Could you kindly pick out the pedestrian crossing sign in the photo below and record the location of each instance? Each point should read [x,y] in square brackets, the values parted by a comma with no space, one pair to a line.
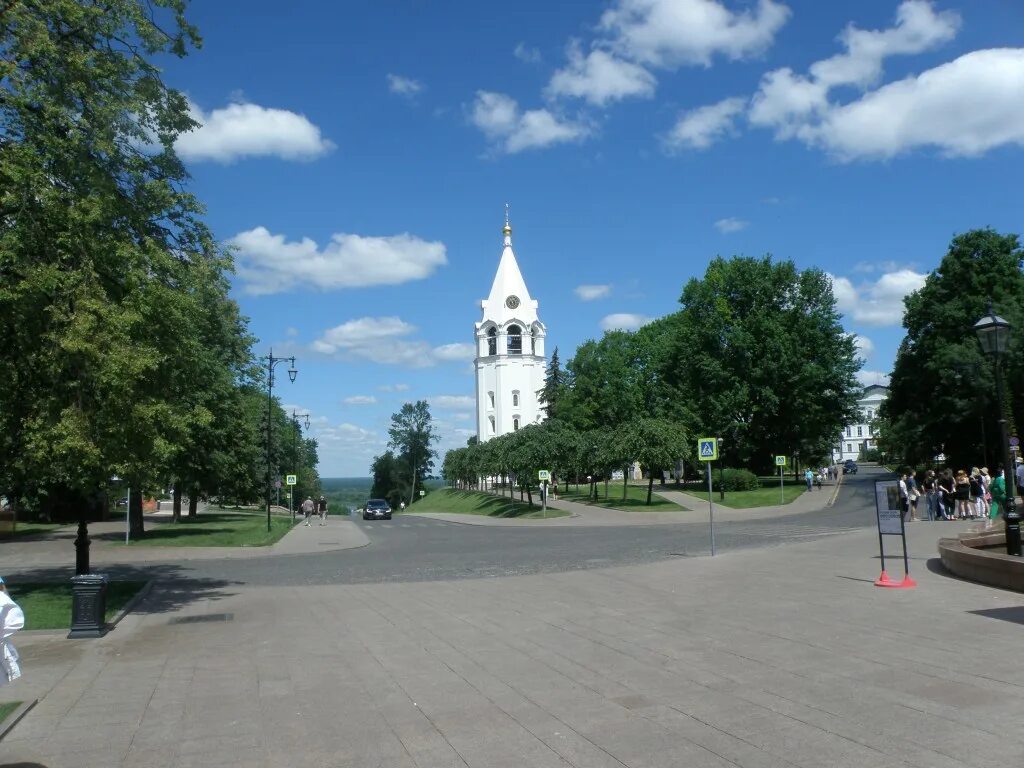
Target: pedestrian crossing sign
[707,449]
[289,479]
[780,461]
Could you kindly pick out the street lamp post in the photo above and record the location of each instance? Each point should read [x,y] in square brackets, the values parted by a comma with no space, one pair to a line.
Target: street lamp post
[994,335]
[295,454]
[272,362]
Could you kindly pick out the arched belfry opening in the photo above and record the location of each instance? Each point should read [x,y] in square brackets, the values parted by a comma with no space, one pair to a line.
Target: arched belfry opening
[515,340]
[492,341]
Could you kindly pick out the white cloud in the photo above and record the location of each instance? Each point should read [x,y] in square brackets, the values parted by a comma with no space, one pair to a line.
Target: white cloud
[249,130]
[865,346]
[668,33]
[291,332]
[514,130]
[592,292]
[360,400]
[403,86]
[457,352]
[600,78]
[526,54]
[700,128]
[377,339]
[624,321]
[879,302]
[452,402]
[965,107]
[385,340]
[393,388]
[867,378]
[730,224]
[349,445]
[267,263]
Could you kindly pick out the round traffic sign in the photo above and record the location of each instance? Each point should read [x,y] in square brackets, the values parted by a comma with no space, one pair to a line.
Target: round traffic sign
[1014,440]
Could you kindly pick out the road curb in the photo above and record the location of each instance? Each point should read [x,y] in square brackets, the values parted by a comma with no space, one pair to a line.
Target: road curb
[15,716]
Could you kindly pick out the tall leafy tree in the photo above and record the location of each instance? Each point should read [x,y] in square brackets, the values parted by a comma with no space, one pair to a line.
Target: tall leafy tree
[941,382]
[656,443]
[412,434]
[112,290]
[759,351]
[604,388]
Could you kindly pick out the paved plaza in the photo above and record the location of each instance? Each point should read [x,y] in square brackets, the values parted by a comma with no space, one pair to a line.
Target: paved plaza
[760,657]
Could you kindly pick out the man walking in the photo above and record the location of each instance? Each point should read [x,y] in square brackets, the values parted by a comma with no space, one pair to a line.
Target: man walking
[321,508]
[307,509]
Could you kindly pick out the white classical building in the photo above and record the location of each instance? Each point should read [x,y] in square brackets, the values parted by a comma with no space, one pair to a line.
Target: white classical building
[510,363]
[862,435]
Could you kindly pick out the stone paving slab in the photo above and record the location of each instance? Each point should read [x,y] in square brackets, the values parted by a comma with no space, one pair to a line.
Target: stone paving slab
[780,657]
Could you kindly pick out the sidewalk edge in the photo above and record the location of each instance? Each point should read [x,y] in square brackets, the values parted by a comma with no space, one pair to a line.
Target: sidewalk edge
[15,717]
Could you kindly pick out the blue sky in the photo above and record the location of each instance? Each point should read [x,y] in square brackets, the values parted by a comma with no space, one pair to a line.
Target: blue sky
[358,156]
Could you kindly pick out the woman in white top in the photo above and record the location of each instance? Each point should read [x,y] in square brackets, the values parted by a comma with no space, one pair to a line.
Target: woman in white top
[12,618]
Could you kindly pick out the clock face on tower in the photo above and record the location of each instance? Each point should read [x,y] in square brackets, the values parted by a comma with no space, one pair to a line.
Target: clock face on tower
[512,302]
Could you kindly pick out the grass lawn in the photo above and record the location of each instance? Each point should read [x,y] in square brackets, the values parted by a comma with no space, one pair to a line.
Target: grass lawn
[30,529]
[476,503]
[636,498]
[766,496]
[217,528]
[47,605]
[7,708]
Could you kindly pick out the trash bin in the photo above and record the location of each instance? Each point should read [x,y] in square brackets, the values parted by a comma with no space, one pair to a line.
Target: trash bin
[88,605]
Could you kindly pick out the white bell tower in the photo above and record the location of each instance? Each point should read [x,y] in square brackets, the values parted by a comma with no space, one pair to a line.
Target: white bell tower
[510,358]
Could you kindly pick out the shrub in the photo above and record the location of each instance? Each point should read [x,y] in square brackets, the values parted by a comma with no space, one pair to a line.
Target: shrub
[735,480]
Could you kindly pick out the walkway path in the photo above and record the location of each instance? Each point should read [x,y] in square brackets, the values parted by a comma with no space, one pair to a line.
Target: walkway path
[775,658]
[57,548]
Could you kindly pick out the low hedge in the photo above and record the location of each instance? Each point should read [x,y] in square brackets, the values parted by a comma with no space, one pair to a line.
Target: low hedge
[735,480]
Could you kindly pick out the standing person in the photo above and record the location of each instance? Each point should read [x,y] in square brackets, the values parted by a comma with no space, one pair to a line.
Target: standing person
[809,477]
[998,491]
[976,493]
[986,494]
[321,508]
[307,509]
[963,494]
[913,494]
[12,618]
[904,495]
[401,507]
[1019,476]
[931,493]
[947,494]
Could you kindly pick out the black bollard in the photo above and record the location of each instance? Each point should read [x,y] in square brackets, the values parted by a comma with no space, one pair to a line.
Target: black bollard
[1013,532]
[82,548]
[88,606]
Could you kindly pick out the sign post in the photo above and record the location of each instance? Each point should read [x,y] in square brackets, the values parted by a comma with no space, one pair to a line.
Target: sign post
[289,480]
[780,462]
[544,476]
[707,451]
[890,523]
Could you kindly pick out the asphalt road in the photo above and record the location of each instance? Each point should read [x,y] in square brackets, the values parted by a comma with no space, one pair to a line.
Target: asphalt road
[419,549]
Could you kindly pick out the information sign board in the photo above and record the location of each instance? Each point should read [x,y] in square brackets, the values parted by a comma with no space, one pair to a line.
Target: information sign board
[780,461]
[707,449]
[887,506]
[544,474]
[289,479]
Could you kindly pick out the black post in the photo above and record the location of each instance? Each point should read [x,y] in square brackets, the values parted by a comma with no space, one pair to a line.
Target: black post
[82,547]
[270,402]
[1012,516]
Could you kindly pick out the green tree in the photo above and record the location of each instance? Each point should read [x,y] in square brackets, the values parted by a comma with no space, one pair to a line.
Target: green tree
[390,478]
[554,386]
[412,434]
[941,382]
[603,384]
[759,351]
[656,443]
[109,279]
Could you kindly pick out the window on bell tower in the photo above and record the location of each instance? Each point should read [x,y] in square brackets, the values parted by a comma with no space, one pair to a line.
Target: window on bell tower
[490,400]
[492,342]
[515,398]
[515,340]
[515,423]
[490,423]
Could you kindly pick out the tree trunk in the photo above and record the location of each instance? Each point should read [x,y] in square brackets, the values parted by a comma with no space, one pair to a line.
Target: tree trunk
[650,487]
[625,482]
[136,527]
[529,497]
[412,492]
[193,503]
[176,504]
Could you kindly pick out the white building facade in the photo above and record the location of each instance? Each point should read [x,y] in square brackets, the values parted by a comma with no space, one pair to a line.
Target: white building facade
[510,361]
[863,435]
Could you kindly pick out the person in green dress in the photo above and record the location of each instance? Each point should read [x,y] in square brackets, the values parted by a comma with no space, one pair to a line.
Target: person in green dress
[998,491]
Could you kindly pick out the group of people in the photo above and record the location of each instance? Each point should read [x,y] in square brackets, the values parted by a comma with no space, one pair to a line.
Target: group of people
[817,477]
[319,507]
[961,495]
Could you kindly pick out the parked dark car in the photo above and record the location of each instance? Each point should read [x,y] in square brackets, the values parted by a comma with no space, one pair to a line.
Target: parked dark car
[850,467]
[122,502]
[377,509]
